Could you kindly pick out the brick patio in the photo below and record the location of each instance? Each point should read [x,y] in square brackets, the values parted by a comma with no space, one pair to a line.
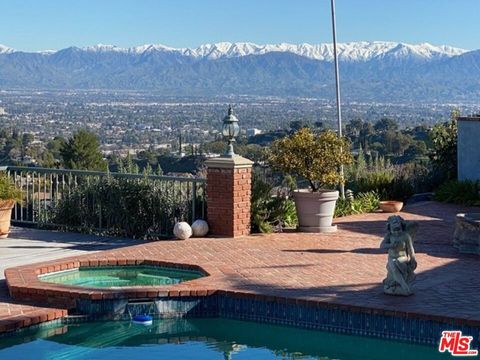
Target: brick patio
[341,269]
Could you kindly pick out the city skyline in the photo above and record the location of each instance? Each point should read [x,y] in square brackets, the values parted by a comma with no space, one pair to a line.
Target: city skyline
[53,24]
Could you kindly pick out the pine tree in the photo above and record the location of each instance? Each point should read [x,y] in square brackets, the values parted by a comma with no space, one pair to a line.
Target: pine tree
[131,166]
[148,170]
[82,151]
[159,170]
[361,163]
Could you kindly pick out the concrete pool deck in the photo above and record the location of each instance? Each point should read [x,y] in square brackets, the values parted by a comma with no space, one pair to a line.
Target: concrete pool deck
[343,269]
[28,245]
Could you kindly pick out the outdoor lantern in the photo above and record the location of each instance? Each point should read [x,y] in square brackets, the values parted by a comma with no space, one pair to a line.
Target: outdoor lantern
[230,130]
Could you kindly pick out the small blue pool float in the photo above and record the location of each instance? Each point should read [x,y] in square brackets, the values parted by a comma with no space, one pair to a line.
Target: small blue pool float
[143,319]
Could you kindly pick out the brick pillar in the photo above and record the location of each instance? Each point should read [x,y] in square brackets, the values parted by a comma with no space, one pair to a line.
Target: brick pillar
[229,186]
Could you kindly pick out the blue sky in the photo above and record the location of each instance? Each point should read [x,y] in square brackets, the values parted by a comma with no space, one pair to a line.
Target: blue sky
[32,25]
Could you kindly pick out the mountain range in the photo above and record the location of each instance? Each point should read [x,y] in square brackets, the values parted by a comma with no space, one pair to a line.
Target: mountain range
[370,71]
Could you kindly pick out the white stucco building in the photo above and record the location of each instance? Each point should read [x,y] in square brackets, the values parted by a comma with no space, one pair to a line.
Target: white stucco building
[468,147]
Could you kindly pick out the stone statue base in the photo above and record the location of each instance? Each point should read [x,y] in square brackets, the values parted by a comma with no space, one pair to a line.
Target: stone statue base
[467,233]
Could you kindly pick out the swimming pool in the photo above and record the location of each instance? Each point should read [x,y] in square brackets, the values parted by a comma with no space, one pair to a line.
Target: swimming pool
[210,338]
[118,276]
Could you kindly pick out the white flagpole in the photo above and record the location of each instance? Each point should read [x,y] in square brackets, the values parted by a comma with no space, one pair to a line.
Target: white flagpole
[337,86]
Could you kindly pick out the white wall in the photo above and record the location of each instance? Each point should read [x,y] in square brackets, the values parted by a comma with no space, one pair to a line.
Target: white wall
[468,148]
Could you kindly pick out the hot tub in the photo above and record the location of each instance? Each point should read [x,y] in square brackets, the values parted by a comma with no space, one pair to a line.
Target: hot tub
[120,276]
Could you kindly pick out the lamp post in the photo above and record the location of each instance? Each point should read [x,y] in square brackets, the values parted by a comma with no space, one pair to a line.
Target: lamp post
[337,88]
[230,130]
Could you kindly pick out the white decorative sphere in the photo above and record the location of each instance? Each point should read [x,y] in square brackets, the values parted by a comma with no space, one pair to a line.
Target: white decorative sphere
[182,230]
[200,228]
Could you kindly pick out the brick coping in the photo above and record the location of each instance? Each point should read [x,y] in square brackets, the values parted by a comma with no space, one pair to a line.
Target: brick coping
[24,283]
[38,316]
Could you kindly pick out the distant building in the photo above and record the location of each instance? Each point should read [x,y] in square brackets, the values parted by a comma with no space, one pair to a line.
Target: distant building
[253,132]
[2,111]
[28,160]
[468,151]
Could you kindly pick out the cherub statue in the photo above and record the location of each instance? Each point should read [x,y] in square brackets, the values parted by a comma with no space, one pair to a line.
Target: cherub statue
[401,256]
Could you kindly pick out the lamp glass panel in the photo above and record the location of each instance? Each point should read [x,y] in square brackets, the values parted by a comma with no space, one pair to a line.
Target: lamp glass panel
[226,130]
[236,129]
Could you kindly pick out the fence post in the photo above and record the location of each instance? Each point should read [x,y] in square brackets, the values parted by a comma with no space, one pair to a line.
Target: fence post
[229,182]
[194,201]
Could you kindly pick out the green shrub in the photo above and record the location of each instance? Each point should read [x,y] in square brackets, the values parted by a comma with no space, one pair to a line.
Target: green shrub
[459,192]
[362,203]
[394,184]
[122,207]
[401,189]
[390,182]
[378,181]
[8,191]
[269,212]
[418,176]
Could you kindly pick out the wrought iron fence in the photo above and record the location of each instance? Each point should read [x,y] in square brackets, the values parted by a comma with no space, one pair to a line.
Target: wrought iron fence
[49,192]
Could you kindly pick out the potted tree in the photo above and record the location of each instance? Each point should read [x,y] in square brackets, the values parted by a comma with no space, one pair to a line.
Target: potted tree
[317,159]
[9,195]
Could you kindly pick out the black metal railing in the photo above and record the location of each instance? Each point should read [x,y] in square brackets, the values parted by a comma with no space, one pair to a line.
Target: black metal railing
[47,192]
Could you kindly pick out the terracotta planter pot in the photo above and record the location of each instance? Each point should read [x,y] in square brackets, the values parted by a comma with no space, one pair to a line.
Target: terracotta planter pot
[391,206]
[6,207]
[315,210]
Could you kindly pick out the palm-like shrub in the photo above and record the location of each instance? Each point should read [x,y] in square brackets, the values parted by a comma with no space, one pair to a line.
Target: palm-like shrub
[362,203]
[8,191]
[268,211]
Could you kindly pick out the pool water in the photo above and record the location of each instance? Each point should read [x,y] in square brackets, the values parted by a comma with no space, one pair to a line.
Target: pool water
[214,338]
[116,276]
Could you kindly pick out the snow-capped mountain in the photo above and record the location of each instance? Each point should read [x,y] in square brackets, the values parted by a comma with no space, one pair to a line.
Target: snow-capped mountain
[370,71]
[5,49]
[353,51]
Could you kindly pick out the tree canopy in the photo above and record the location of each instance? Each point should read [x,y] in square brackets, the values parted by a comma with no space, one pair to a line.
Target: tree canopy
[444,152]
[82,152]
[315,158]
